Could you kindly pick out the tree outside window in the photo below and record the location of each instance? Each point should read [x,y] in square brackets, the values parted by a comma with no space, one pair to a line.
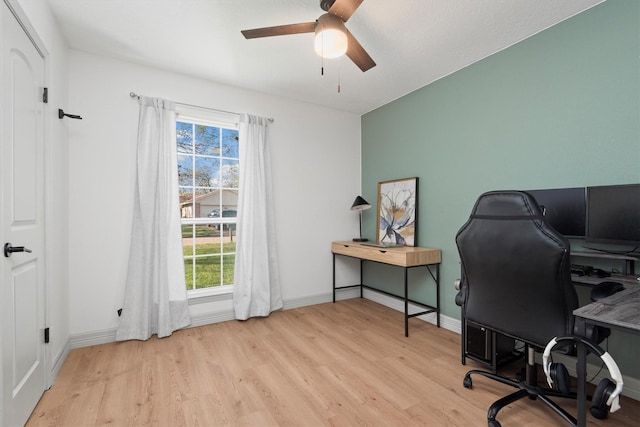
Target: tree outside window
[208,171]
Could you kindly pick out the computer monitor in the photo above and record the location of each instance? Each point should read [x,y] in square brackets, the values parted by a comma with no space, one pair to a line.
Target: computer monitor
[564,209]
[613,214]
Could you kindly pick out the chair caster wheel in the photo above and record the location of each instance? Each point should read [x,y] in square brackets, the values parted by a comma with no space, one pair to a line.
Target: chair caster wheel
[467,381]
[494,423]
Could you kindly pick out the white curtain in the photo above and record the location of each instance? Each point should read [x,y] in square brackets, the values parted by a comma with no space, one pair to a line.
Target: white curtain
[256,290]
[155,300]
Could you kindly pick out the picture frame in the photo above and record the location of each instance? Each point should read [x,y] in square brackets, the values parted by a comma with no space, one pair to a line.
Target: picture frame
[398,212]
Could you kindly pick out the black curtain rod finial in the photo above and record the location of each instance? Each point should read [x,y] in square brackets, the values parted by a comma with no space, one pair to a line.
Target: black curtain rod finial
[62,114]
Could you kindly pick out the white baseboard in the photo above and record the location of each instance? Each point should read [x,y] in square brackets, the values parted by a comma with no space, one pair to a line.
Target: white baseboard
[211,318]
[92,338]
[57,363]
[109,335]
[631,385]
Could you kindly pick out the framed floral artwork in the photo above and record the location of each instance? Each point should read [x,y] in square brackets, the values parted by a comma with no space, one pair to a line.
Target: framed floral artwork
[398,211]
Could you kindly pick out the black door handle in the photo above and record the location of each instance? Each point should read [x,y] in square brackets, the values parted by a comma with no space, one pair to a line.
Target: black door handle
[8,249]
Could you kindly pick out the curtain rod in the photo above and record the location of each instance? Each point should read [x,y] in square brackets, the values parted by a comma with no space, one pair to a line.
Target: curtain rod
[135,95]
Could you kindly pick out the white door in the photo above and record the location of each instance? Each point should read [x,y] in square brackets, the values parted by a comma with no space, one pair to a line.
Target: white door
[22,293]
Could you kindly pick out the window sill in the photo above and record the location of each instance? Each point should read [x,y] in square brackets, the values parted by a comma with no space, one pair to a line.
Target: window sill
[202,296]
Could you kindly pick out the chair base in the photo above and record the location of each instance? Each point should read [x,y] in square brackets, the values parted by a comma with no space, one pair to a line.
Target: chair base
[527,388]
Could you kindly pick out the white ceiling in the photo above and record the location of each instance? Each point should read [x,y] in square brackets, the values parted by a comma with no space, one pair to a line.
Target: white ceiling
[413,42]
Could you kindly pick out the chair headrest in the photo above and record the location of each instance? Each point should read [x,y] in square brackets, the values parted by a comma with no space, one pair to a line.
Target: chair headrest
[505,204]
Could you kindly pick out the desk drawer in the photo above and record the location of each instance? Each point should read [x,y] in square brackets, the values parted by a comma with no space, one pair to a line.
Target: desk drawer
[403,256]
[385,255]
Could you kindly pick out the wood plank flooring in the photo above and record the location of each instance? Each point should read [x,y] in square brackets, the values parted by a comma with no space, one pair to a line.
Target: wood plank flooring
[341,364]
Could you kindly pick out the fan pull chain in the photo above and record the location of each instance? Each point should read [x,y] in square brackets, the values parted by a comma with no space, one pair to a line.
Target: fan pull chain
[339,73]
[322,53]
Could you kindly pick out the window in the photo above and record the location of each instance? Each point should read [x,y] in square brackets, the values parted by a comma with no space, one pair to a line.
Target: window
[208,173]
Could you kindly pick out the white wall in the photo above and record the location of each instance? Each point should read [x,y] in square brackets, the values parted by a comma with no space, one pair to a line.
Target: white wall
[316,163]
[44,29]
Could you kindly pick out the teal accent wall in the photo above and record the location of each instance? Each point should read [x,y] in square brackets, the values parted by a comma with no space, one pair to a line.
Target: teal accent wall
[559,109]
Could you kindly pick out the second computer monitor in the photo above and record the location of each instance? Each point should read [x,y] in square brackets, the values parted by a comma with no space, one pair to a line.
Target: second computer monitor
[564,209]
[613,214]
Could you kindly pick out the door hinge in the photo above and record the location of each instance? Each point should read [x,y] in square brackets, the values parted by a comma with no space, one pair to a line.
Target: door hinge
[46,335]
[45,95]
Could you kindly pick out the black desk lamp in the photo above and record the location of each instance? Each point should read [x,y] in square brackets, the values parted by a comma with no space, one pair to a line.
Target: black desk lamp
[360,204]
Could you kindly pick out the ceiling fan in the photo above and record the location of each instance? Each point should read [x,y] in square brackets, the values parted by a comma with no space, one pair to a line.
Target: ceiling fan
[332,38]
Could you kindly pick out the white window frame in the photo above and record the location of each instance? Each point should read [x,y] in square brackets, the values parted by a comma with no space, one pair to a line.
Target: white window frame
[207,117]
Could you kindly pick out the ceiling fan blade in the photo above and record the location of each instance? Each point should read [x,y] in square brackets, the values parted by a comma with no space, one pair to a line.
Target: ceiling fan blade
[344,8]
[280,30]
[357,54]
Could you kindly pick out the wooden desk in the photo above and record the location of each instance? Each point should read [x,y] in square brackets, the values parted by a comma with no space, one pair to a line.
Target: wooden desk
[405,257]
[618,311]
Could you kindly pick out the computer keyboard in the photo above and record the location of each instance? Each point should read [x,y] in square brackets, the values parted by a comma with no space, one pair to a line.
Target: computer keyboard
[587,270]
[580,270]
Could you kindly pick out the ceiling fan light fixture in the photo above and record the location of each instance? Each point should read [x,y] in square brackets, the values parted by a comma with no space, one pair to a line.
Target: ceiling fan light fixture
[331,37]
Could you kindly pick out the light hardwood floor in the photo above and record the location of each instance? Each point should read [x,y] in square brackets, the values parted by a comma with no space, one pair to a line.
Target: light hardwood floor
[341,364]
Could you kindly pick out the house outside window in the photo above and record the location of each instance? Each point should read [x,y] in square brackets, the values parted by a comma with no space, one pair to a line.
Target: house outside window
[208,173]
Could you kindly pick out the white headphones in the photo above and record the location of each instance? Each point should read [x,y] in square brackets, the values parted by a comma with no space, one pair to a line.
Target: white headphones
[607,394]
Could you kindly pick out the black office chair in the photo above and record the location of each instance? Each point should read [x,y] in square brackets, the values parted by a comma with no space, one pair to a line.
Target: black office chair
[516,281]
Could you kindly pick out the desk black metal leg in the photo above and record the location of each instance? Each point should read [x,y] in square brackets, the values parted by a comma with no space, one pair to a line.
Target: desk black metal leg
[406,303]
[436,280]
[438,295]
[361,282]
[581,372]
[334,277]
[463,340]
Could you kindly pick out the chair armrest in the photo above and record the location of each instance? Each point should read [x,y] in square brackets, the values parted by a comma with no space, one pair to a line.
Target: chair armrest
[461,296]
